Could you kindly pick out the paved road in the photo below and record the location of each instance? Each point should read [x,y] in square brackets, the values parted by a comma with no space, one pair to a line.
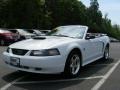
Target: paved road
[103,75]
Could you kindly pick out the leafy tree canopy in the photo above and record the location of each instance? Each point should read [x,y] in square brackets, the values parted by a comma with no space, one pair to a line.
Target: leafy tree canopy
[47,14]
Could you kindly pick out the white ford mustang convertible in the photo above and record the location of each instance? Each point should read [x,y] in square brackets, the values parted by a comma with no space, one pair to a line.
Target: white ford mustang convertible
[64,49]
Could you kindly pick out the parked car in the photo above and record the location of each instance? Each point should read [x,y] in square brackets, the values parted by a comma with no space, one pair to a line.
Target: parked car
[35,31]
[7,37]
[45,31]
[22,33]
[65,49]
[39,33]
[114,39]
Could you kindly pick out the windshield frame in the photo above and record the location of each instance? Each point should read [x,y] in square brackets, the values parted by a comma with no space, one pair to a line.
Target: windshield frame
[62,31]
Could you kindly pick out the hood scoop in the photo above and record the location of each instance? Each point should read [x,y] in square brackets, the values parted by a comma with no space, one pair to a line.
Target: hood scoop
[39,38]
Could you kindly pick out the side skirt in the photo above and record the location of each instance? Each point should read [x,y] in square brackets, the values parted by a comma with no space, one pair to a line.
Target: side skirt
[83,64]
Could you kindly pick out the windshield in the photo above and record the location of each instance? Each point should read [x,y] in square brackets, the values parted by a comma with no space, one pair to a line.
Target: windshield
[75,32]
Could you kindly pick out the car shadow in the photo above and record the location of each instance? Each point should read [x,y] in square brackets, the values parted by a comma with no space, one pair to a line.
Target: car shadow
[98,68]
[12,76]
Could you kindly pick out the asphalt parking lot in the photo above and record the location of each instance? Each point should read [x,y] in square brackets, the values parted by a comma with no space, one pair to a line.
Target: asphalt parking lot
[102,75]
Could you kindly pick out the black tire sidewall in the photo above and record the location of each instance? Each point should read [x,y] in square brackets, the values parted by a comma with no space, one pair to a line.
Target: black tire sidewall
[67,70]
[104,57]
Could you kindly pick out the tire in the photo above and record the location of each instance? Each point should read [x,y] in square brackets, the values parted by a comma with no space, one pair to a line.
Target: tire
[106,54]
[2,42]
[73,65]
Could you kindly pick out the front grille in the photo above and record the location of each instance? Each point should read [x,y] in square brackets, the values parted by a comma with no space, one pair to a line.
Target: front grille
[19,51]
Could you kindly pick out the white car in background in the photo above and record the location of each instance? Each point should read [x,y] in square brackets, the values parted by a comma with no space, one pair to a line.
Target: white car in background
[35,31]
[65,49]
[45,31]
[22,33]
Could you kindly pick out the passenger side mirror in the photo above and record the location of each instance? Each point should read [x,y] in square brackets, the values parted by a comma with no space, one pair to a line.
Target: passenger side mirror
[89,37]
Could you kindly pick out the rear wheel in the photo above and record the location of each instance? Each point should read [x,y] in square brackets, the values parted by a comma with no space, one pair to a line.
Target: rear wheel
[73,64]
[106,53]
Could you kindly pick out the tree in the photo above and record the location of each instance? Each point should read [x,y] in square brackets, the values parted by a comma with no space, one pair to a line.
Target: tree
[1,7]
[22,13]
[94,5]
[65,12]
[47,14]
[94,15]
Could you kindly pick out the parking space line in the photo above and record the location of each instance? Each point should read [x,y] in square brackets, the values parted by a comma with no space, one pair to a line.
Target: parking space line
[53,81]
[106,76]
[102,64]
[11,83]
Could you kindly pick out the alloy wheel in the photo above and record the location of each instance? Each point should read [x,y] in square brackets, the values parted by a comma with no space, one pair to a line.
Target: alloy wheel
[75,64]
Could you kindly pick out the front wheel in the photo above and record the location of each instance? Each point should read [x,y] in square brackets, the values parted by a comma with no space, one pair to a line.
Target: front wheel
[73,64]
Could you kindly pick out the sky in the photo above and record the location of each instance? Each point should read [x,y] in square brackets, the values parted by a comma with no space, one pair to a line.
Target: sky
[110,7]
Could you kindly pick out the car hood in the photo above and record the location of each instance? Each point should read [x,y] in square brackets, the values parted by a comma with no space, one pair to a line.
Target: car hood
[45,42]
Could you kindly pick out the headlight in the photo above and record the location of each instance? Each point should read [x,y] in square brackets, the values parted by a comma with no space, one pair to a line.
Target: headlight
[47,52]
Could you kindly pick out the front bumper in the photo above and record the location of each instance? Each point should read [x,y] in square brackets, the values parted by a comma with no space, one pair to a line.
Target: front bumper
[48,65]
[10,40]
